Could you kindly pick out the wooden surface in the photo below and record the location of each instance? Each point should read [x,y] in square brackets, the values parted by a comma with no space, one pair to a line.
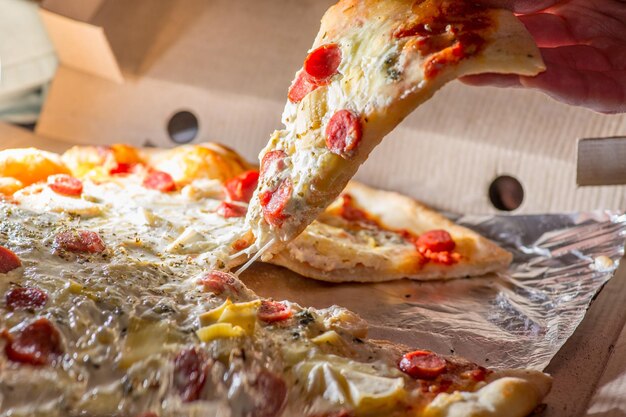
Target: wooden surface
[609,400]
[593,355]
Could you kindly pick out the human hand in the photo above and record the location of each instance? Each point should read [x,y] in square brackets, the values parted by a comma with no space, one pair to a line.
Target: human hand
[583,43]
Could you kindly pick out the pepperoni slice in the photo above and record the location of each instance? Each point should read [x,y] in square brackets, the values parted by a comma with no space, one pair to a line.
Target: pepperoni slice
[38,343]
[227,209]
[273,160]
[79,241]
[8,260]
[352,213]
[190,371]
[25,298]
[65,184]
[319,67]
[272,311]
[272,392]
[242,186]
[422,364]
[160,181]
[122,168]
[343,133]
[274,202]
[322,63]
[219,282]
[300,87]
[435,241]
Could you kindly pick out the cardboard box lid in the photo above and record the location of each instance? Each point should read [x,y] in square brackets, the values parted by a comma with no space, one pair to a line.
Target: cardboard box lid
[230,63]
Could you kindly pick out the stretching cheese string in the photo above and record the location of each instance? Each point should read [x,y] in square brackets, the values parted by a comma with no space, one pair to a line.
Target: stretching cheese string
[255,257]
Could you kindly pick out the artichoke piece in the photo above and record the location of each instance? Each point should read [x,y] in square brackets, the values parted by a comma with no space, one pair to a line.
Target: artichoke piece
[219,331]
[242,315]
[146,338]
[330,337]
[341,381]
[212,316]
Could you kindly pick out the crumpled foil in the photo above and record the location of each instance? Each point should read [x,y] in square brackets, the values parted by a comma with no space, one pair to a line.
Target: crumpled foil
[516,319]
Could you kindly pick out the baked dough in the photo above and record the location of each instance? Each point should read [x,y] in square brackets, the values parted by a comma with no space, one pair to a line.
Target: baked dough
[333,249]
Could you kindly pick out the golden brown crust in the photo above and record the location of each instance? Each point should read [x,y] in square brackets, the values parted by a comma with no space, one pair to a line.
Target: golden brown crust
[509,394]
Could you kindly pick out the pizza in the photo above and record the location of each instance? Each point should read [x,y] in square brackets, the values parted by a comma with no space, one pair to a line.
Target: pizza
[369,235]
[372,63]
[366,235]
[115,300]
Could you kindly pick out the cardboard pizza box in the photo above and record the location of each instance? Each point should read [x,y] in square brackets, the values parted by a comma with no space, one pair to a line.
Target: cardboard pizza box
[162,72]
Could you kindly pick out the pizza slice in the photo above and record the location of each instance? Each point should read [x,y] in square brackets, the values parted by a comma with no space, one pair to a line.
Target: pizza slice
[369,235]
[372,63]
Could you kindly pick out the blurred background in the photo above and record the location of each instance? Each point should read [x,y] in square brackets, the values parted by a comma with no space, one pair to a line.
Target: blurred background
[27,62]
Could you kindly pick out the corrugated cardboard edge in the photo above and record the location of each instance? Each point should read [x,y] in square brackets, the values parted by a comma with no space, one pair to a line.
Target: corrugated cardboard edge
[82,46]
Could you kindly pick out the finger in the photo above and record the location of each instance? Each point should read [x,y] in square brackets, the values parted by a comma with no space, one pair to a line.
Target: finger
[494,80]
[613,49]
[603,92]
[521,6]
[578,57]
[548,30]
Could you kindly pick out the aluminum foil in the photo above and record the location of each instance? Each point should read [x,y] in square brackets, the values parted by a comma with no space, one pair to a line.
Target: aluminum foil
[519,318]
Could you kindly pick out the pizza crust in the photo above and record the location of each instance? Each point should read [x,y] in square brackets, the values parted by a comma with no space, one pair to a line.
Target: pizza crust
[324,252]
[506,393]
[510,393]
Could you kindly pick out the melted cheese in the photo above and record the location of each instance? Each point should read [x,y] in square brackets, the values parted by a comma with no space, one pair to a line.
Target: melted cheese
[125,313]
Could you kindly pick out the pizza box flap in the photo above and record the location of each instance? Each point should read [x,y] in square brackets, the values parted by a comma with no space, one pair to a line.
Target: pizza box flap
[220,70]
[16,137]
[81,10]
[81,45]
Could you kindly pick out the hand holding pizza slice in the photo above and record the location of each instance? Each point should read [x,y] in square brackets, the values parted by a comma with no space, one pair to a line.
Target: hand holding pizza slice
[372,63]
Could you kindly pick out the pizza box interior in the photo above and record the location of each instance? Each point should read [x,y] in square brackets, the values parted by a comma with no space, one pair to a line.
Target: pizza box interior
[163,72]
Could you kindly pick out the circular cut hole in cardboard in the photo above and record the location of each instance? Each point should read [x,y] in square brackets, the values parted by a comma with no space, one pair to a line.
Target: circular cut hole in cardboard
[506,193]
[182,127]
